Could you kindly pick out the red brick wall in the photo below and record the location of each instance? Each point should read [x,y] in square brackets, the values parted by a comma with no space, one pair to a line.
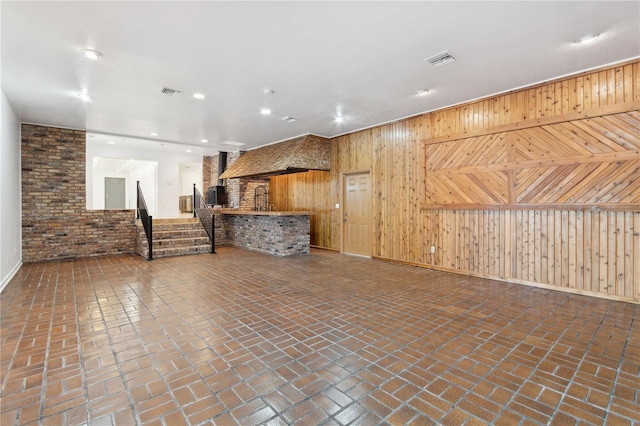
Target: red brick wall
[55,222]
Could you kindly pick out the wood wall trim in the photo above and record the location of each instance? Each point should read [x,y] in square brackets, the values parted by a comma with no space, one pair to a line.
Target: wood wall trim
[623,207]
[536,122]
[606,157]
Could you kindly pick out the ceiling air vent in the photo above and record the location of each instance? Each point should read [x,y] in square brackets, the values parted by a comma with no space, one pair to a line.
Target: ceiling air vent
[441,59]
[288,119]
[170,92]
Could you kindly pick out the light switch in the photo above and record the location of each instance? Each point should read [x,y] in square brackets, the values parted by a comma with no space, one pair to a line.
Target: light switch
[337,205]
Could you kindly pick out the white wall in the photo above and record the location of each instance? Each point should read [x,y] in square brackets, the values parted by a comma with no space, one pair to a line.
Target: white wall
[168,188]
[190,173]
[145,172]
[10,194]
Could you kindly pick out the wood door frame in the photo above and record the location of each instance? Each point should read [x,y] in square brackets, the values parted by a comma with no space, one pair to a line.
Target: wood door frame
[343,175]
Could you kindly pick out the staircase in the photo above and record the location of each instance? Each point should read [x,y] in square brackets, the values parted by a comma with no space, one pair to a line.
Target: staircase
[174,237]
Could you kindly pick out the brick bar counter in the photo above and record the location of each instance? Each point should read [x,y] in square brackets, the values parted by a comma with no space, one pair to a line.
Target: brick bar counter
[276,233]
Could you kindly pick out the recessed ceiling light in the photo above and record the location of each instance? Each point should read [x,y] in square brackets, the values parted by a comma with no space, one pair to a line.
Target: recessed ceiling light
[91,54]
[112,143]
[198,95]
[154,133]
[204,140]
[587,38]
[85,97]
[265,111]
[288,119]
[188,150]
[339,119]
[421,92]
[268,92]
[232,143]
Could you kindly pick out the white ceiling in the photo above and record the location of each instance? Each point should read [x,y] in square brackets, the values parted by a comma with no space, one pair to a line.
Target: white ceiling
[364,60]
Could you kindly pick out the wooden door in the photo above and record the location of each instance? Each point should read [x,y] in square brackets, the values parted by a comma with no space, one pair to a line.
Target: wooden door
[356,230]
[114,193]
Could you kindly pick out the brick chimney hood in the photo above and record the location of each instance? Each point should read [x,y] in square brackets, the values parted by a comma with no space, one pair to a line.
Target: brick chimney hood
[301,154]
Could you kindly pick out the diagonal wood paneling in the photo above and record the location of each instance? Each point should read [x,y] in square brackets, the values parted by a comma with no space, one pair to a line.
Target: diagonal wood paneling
[465,152]
[485,188]
[593,161]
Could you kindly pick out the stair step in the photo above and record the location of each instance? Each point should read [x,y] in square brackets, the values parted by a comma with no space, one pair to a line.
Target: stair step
[177,220]
[175,237]
[181,242]
[181,233]
[177,251]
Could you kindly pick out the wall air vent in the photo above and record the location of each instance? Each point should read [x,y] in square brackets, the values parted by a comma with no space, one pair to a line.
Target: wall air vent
[441,59]
[170,92]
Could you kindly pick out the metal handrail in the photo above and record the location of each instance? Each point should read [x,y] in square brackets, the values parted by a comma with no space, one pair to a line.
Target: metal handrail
[147,220]
[207,219]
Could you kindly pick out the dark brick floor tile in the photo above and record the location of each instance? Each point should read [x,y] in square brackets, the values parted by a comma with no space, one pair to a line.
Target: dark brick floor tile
[402,415]
[349,413]
[299,410]
[175,418]
[258,417]
[208,412]
[248,408]
[324,339]
[454,417]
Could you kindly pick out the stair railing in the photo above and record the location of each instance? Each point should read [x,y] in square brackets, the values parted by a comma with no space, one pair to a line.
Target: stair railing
[147,221]
[201,210]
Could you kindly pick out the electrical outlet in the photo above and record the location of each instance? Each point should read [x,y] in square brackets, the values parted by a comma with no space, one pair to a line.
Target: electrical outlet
[433,249]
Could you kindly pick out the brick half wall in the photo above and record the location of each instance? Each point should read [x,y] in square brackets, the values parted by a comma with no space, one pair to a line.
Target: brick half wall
[276,235]
[55,221]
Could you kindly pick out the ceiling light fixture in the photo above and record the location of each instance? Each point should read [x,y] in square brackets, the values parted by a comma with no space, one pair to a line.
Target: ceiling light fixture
[265,111]
[188,150]
[198,95]
[154,133]
[587,38]
[85,97]
[232,143]
[112,143]
[421,92]
[204,140]
[339,119]
[268,92]
[91,54]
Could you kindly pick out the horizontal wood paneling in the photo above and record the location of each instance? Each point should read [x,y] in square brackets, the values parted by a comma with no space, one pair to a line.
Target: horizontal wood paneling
[578,250]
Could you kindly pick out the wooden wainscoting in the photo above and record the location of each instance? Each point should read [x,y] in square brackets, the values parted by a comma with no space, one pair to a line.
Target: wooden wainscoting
[591,252]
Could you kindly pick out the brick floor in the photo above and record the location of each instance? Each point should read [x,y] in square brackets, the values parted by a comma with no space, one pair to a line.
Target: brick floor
[245,338]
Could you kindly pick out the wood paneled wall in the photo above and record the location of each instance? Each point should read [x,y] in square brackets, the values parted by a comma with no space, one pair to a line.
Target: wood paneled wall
[581,248]
[576,164]
[595,252]
[306,191]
